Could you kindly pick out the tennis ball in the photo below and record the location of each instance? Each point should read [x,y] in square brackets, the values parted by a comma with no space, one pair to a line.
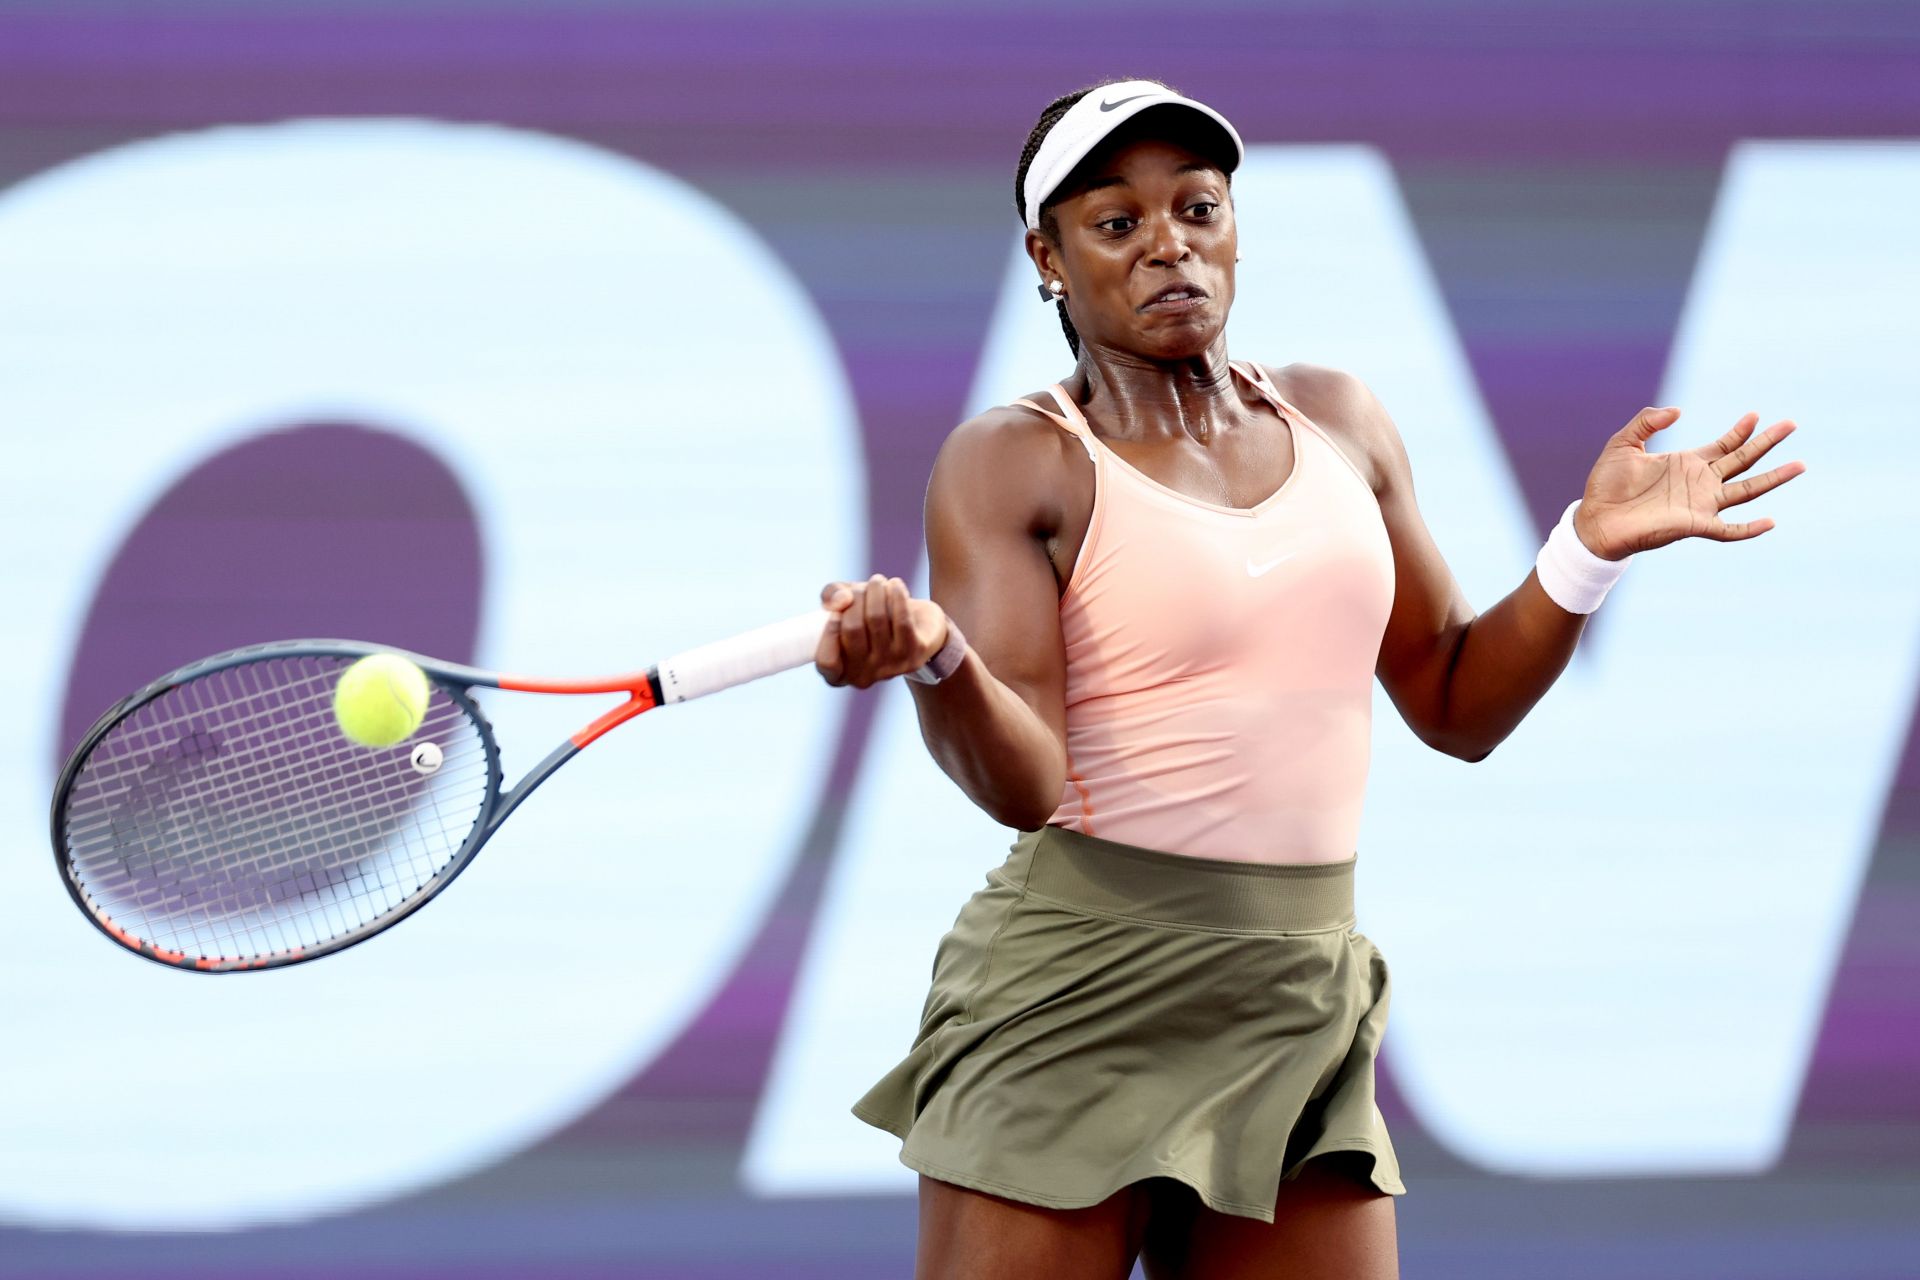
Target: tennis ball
[380,700]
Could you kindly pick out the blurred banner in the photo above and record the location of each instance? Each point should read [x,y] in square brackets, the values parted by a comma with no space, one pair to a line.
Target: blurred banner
[553,338]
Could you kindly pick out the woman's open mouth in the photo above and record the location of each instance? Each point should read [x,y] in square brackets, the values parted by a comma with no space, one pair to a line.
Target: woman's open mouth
[1178,297]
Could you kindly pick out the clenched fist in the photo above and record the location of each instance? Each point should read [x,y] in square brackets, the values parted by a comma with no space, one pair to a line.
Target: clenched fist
[876,631]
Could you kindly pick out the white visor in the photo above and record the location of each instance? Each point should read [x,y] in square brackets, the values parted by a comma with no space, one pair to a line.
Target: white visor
[1090,120]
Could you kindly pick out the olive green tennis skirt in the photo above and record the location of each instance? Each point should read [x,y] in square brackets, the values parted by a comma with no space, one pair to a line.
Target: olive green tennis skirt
[1102,1013]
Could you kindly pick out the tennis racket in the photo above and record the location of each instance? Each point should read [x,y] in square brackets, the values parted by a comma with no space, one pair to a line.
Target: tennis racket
[219,821]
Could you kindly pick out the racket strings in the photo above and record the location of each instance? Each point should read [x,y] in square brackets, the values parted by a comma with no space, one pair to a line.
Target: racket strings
[231,819]
[142,826]
[344,883]
[336,903]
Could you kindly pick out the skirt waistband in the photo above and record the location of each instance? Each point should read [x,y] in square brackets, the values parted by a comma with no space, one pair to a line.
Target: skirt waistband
[1125,880]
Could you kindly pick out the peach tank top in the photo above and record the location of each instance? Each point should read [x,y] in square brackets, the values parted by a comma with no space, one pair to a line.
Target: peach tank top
[1220,660]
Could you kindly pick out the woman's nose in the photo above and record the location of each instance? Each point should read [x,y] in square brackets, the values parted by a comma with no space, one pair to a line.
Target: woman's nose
[1168,242]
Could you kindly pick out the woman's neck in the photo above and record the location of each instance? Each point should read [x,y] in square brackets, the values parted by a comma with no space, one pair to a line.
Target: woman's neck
[1140,399]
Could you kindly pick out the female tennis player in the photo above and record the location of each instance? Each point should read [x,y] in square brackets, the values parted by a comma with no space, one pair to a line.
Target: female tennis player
[1161,590]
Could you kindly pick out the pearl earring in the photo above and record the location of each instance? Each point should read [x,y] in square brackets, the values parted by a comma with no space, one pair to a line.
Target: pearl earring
[1051,291]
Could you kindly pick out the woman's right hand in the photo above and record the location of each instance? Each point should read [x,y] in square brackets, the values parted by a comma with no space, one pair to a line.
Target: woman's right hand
[876,631]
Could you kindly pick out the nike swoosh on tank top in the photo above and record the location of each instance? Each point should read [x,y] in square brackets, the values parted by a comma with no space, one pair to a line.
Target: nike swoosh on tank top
[1220,660]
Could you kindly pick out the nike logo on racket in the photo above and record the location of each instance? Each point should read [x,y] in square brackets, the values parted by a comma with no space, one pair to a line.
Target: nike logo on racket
[1109,106]
[1255,570]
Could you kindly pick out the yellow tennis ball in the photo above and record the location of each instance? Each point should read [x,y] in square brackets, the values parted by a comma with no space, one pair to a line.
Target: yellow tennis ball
[380,700]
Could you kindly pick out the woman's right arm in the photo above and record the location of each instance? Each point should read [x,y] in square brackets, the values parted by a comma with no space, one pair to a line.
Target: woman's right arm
[997,725]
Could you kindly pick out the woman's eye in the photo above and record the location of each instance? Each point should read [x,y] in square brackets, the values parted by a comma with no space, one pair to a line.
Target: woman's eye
[1203,209]
[1116,225]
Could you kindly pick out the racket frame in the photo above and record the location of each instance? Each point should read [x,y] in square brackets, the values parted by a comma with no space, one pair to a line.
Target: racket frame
[643,694]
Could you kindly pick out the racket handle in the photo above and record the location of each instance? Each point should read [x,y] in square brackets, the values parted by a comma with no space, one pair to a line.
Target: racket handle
[747,656]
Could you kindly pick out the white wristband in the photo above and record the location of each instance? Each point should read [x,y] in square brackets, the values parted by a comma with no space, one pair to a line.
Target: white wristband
[1576,579]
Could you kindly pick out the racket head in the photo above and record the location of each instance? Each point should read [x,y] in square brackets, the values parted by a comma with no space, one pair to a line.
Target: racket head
[218,820]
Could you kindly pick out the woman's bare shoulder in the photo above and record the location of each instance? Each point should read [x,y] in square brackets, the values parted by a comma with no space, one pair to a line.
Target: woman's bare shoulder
[1309,384]
[1012,445]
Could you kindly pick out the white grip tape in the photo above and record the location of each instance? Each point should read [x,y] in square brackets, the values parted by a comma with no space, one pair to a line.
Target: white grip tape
[747,656]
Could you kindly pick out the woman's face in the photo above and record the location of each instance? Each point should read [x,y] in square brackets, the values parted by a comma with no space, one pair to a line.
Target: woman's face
[1153,220]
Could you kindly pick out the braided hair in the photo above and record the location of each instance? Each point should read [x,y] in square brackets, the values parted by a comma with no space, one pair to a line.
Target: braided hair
[1048,226]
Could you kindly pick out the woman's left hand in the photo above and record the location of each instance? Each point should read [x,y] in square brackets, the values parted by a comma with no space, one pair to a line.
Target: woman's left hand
[1636,501]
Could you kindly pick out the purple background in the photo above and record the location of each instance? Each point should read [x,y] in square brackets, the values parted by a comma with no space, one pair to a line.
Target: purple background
[1559,161]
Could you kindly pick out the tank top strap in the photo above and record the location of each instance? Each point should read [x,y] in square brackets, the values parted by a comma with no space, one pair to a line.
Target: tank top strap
[1258,377]
[1069,419]
[1081,427]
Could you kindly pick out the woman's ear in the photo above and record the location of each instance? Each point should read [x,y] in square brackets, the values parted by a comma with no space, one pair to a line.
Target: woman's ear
[1046,257]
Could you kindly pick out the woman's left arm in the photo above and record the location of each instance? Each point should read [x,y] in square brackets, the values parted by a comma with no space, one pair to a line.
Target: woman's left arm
[1462,681]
